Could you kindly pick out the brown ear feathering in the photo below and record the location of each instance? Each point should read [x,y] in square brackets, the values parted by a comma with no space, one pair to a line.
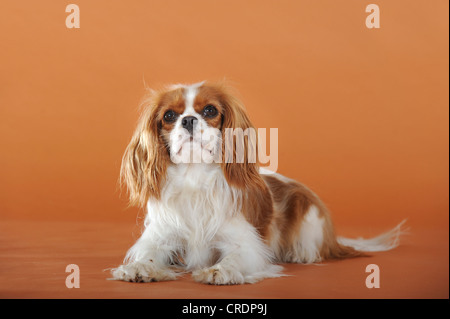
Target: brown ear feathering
[144,163]
[244,175]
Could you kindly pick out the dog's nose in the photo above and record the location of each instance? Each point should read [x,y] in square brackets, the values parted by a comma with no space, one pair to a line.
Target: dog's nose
[188,122]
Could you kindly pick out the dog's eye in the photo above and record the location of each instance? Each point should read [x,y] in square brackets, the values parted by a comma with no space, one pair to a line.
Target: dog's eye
[170,116]
[209,111]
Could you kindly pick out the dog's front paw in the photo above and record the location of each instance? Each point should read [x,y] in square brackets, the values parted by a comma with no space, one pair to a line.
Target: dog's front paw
[141,272]
[218,275]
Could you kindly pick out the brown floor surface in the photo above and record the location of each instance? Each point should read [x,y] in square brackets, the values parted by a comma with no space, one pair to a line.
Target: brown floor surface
[34,255]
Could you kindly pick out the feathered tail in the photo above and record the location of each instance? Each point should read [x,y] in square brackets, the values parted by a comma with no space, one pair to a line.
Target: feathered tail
[383,242]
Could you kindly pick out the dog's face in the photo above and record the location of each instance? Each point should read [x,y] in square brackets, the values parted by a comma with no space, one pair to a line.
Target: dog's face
[190,120]
[186,124]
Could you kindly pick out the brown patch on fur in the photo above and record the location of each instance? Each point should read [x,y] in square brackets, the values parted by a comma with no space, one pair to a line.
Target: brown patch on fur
[171,100]
[257,207]
[145,161]
[241,175]
[292,201]
[331,249]
[208,95]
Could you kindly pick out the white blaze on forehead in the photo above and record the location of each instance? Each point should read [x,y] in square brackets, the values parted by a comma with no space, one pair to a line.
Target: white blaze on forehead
[189,97]
[190,92]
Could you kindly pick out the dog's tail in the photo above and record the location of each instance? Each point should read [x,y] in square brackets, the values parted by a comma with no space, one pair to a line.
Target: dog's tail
[383,242]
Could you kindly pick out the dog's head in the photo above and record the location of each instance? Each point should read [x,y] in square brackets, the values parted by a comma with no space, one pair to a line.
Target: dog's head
[191,124]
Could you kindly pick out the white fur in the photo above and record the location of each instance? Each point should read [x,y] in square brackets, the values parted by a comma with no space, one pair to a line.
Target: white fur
[310,239]
[383,242]
[199,219]
[265,171]
[189,96]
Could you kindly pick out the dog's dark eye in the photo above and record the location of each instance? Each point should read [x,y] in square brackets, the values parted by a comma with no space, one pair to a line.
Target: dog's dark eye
[209,111]
[170,116]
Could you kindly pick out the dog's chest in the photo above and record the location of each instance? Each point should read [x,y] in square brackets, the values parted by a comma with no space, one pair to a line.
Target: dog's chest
[197,198]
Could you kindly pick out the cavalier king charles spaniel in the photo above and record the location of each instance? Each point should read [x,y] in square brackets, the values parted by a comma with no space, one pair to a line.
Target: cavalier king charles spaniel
[225,221]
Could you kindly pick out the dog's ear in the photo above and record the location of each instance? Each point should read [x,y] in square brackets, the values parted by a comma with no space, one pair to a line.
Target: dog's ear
[145,161]
[239,161]
[240,141]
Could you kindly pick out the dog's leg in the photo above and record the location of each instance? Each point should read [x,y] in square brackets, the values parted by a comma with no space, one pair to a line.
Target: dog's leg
[147,260]
[244,257]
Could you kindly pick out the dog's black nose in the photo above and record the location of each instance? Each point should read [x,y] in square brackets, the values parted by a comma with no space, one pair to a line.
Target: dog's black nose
[188,122]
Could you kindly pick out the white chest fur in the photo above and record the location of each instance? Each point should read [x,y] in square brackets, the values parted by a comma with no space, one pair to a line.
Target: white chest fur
[195,207]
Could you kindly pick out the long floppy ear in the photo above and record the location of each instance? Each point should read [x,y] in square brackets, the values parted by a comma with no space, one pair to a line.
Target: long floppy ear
[243,171]
[144,163]
[239,147]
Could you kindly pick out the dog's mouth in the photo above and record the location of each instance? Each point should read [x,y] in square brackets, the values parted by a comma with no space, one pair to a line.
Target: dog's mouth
[196,145]
[190,143]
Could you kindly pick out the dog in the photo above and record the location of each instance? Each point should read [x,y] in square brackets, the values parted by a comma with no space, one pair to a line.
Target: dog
[224,221]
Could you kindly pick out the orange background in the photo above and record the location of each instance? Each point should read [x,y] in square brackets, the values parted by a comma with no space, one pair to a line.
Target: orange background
[362,114]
